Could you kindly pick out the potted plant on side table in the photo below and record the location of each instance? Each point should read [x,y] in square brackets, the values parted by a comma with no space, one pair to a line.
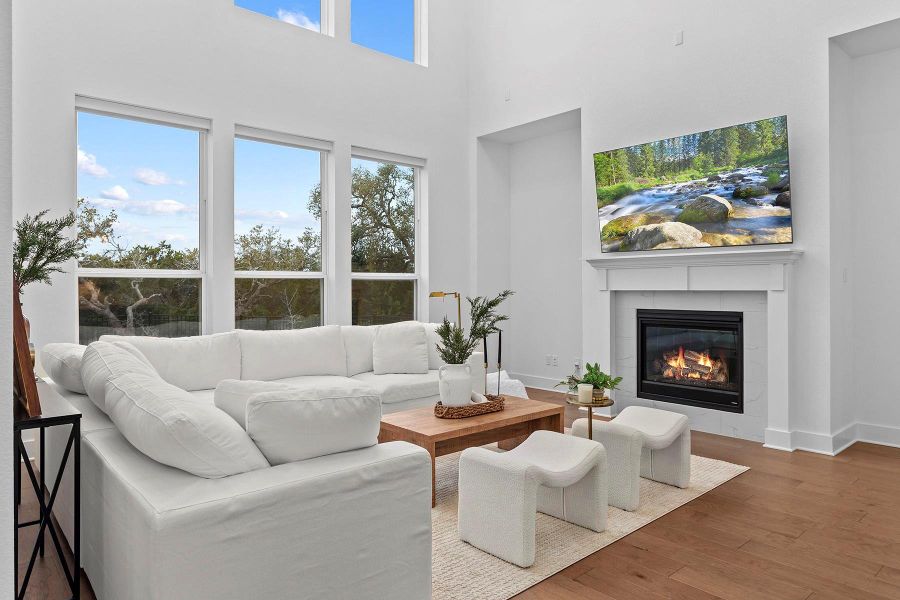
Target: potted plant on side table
[456,347]
[594,380]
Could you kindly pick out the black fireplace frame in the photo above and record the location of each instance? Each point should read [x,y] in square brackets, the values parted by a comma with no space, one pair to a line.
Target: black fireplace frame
[724,400]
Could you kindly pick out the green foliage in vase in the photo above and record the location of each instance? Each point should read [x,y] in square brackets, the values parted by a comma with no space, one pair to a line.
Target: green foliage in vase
[41,246]
[594,376]
[456,347]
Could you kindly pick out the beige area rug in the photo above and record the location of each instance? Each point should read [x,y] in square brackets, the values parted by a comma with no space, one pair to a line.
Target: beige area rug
[462,572]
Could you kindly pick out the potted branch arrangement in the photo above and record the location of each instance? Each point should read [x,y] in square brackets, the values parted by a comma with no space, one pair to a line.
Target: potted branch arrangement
[456,347]
[594,381]
[41,246]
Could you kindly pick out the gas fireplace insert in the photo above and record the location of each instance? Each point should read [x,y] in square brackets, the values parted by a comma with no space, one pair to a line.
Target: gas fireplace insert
[691,357]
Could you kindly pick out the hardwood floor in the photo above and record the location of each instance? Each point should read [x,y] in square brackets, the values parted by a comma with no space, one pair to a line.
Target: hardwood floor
[797,526]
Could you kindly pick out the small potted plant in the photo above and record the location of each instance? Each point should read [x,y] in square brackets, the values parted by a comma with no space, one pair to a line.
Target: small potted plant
[594,377]
[456,347]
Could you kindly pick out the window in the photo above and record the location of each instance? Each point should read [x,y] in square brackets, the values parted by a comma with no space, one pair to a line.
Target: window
[388,26]
[383,223]
[278,235]
[139,197]
[302,13]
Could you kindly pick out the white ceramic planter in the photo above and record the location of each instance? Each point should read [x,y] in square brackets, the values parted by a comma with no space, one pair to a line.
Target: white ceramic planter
[455,385]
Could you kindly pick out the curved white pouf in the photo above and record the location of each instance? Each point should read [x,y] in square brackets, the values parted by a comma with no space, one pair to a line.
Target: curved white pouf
[500,492]
[642,442]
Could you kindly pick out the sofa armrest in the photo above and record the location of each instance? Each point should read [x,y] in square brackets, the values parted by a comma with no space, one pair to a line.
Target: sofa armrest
[287,531]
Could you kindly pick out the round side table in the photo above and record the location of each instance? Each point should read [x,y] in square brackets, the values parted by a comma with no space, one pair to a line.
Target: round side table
[603,403]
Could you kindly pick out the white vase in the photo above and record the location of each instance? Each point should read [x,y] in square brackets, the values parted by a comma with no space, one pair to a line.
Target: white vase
[455,385]
[476,361]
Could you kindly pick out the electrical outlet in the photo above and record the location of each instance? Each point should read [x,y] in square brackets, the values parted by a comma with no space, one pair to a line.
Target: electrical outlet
[548,360]
[678,38]
[555,360]
[577,365]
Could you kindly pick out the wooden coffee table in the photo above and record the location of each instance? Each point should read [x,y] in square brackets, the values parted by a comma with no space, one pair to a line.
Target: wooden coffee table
[509,427]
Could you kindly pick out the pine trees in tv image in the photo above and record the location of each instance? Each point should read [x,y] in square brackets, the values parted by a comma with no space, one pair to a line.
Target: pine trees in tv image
[723,187]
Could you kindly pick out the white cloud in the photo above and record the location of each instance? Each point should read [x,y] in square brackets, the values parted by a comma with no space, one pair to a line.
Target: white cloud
[87,163]
[153,177]
[262,215]
[116,192]
[296,17]
[144,207]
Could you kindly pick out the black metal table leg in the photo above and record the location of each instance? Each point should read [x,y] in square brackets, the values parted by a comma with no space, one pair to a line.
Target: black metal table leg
[43,488]
[76,551]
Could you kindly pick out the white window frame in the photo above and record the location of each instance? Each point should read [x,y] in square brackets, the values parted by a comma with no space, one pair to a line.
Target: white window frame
[419,276]
[420,32]
[120,110]
[325,150]
[326,17]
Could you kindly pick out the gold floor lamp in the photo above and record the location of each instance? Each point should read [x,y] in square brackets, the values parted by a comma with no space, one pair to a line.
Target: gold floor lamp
[458,303]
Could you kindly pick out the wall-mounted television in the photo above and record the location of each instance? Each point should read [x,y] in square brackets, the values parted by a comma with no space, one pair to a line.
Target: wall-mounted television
[723,187]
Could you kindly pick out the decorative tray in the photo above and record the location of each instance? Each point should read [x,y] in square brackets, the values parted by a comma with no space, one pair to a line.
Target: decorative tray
[494,404]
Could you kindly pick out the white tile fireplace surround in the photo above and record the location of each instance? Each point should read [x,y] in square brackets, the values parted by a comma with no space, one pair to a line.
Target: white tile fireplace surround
[755,282]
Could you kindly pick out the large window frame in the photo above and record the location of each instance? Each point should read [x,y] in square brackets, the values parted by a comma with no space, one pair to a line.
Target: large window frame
[325,150]
[203,126]
[419,276]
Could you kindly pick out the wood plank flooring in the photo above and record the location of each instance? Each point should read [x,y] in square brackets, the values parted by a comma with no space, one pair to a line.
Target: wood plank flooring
[797,526]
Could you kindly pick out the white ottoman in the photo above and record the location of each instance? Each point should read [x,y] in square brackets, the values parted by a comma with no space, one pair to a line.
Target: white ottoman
[642,442]
[500,492]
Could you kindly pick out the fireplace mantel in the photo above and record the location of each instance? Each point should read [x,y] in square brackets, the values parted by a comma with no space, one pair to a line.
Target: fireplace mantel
[701,257]
[701,270]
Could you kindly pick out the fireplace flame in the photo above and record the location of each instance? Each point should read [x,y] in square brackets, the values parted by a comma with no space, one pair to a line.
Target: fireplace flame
[694,365]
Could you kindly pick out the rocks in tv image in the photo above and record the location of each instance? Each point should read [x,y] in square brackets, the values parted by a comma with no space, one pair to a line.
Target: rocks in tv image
[723,187]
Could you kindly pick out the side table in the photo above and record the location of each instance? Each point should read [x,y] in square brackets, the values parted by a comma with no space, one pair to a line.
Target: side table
[604,403]
[55,412]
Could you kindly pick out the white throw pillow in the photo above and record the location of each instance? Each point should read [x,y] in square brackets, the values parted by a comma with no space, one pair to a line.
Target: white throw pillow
[400,348]
[62,362]
[104,360]
[191,363]
[170,426]
[268,355]
[298,424]
[434,358]
[358,343]
[231,396]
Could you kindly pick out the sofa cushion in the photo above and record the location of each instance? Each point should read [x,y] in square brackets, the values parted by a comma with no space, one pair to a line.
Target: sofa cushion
[434,359]
[400,348]
[170,426]
[358,343]
[62,362]
[191,363]
[399,387]
[295,424]
[268,355]
[103,360]
[231,395]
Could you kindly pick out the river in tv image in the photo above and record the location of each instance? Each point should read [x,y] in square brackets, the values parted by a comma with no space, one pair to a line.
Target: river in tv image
[724,187]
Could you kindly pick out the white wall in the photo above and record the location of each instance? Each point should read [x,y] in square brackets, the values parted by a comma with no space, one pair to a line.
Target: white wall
[545,273]
[210,59]
[6,458]
[872,195]
[739,62]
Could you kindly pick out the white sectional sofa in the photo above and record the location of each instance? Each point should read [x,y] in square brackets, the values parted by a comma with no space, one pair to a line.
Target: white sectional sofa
[295,501]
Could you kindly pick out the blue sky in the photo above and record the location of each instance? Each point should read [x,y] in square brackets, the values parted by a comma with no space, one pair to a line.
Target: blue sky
[150,175]
[383,25]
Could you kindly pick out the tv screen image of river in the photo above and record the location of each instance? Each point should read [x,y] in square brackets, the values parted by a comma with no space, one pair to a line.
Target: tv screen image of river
[723,187]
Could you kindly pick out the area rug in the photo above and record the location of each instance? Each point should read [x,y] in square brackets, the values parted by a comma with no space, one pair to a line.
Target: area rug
[462,572]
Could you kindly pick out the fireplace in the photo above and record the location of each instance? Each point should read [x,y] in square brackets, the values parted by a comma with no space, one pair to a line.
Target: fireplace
[691,357]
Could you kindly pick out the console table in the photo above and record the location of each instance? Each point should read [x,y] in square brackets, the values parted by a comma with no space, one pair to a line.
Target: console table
[55,412]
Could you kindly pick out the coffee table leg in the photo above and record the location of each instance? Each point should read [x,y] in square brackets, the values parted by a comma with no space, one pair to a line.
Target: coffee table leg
[431,451]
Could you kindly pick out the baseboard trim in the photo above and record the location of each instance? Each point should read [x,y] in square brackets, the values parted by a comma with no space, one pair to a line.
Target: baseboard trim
[878,434]
[834,444]
[537,381]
